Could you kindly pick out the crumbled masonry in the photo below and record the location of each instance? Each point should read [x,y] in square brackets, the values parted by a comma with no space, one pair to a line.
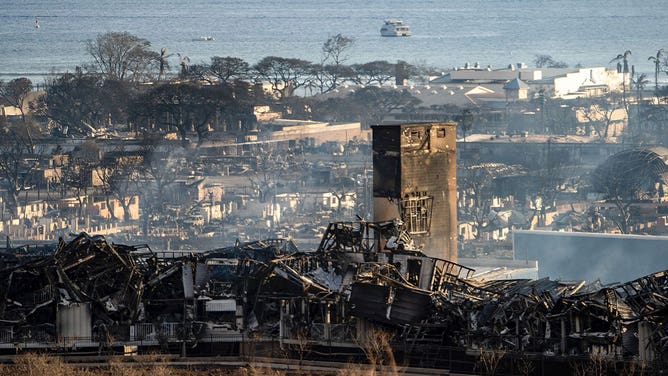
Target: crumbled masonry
[269,288]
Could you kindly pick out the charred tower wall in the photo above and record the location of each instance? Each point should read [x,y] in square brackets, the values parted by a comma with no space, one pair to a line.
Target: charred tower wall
[414,179]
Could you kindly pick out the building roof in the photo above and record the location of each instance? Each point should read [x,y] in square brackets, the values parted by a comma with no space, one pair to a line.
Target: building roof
[515,84]
[535,138]
[462,95]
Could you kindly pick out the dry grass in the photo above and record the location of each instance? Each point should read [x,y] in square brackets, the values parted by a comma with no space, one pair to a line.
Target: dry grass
[633,369]
[490,360]
[525,366]
[355,370]
[376,345]
[256,371]
[158,365]
[42,365]
[151,365]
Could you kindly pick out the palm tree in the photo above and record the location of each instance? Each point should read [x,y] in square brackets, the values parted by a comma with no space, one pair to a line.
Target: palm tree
[185,61]
[623,67]
[164,64]
[657,66]
[466,121]
[639,84]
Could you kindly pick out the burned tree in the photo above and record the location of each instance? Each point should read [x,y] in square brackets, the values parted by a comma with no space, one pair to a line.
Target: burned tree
[18,159]
[602,114]
[372,103]
[78,172]
[73,102]
[123,56]
[628,177]
[285,75]
[229,69]
[331,71]
[375,72]
[479,185]
[119,174]
[15,93]
[221,71]
[182,107]
[551,170]
[159,169]
[268,170]
[475,184]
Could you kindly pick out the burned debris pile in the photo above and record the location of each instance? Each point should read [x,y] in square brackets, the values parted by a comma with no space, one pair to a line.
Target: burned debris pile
[42,295]
[363,275]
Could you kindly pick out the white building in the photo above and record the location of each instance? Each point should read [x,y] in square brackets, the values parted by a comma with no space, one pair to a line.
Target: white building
[555,82]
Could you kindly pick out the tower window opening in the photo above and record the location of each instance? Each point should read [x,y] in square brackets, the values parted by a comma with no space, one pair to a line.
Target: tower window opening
[416,213]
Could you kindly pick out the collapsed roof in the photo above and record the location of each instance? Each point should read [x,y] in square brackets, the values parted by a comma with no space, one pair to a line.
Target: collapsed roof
[358,274]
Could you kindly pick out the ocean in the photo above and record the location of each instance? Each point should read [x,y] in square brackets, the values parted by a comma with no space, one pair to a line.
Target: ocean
[445,33]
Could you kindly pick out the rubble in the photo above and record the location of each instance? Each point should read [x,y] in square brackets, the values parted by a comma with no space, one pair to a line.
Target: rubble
[88,289]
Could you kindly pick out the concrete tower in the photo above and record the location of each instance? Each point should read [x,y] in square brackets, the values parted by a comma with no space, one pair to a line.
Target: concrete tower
[414,179]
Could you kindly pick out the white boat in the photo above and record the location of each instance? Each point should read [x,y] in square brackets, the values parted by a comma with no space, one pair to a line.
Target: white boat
[205,38]
[395,28]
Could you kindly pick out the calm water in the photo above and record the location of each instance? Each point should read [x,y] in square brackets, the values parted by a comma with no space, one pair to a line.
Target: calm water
[446,33]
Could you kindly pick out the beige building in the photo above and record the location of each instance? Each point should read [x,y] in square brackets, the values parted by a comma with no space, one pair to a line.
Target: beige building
[316,132]
[34,209]
[516,89]
[100,208]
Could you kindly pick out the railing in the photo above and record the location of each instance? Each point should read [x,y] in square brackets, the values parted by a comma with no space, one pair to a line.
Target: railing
[167,331]
[453,359]
[332,332]
[6,335]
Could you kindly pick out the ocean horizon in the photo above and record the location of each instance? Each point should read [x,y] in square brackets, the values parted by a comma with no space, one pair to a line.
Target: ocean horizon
[445,34]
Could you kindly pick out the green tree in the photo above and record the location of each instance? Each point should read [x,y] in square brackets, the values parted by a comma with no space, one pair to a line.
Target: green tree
[115,97]
[326,78]
[335,110]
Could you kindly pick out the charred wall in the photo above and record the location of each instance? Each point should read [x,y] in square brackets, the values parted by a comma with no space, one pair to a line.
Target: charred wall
[415,180]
